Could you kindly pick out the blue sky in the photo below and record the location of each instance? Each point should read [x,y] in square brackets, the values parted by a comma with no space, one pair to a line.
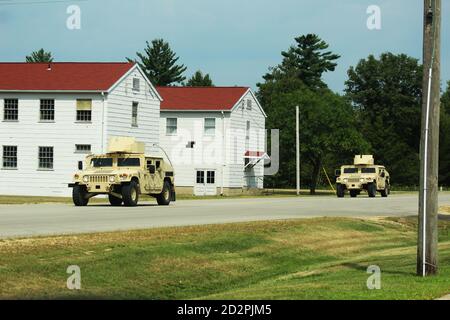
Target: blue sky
[233,40]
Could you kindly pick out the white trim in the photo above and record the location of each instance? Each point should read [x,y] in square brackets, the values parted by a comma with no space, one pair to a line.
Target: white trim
[136,67]
[237,105]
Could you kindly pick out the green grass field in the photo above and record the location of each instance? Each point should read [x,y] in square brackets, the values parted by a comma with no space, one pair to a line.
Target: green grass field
[301,259]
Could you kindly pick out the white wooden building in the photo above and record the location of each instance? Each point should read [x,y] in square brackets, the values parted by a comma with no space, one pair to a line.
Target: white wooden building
[215,138]
[52,115]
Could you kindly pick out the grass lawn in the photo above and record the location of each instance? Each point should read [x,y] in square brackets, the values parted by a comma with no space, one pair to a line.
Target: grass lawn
[323,258]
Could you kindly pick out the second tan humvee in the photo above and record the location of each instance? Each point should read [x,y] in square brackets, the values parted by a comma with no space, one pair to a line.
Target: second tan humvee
[363,175]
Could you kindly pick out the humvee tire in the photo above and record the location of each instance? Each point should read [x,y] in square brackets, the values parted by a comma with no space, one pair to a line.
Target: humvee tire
[130,194]
[354,193]
[340,191]
[79,196]
[372,190]
[115,202]
[385,192]
[163,198]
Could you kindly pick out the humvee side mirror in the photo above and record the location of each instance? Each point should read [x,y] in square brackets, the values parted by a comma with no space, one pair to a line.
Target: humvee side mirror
[80,165]
[337,173]
[152,169]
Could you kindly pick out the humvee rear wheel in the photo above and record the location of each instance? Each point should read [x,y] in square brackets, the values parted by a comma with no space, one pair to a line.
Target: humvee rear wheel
[79,196]
[130,194]
[115,202]
[385,192]
[340,191]
[354,193]
[163,198]
[372,190]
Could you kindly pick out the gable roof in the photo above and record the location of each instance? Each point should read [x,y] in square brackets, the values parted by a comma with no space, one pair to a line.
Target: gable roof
[62,76]
[200,98]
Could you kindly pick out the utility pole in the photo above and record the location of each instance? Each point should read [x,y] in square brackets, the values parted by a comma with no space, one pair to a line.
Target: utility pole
[297,134]
[427,249]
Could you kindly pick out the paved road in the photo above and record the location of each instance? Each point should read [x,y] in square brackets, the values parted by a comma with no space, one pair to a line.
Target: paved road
[52,219]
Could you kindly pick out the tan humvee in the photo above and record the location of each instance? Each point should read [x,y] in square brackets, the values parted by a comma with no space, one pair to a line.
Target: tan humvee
[363,175]
[123,174]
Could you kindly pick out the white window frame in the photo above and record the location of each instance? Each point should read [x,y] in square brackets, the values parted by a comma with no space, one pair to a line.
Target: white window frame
[45,168]
[135,114]
[89,115]
[206,127]
[248,127]
[136,84]
[83,151]
[249,104]
[16,107]
[171,126]
[9,156]
[50,111]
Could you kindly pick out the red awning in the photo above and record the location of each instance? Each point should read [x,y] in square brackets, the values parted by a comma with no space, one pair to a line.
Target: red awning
[254,157]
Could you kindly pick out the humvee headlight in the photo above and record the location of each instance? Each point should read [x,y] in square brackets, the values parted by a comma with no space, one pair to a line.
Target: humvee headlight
[76,177]
[86,179]
[345,180]
[361,180]
[112,179]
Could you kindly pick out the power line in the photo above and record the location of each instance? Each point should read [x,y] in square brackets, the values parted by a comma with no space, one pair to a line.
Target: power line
[28,2]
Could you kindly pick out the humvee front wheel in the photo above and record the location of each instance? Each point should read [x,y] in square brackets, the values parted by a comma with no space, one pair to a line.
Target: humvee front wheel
[79,196]
[372,190]
[130,194]
[115,202]
[340,191]
[163,198]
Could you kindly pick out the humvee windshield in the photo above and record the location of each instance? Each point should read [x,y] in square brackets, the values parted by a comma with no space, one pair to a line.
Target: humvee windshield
[129,162]
[102,162]
[350,170]
[368,170]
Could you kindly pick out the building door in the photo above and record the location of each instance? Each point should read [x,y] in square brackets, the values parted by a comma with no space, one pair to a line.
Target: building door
[205,183]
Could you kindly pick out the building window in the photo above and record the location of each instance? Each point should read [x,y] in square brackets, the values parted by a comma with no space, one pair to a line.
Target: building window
[134,114]
[83,148]
[210,126]
[247,131]
[211,177]
[171,126]
[47,110]
[11,110]
[136,84]
[9,157]
[46,158]
[84,110]
[201,177]
[249,104]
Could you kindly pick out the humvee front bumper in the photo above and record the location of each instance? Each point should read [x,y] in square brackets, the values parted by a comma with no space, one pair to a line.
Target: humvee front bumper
[95,187]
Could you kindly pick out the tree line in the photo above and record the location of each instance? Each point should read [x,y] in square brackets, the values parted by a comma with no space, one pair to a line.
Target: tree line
[378,112]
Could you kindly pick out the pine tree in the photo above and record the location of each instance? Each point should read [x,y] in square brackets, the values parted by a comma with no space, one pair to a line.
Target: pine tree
[159,63]
[307,61]
[39,56]
[200,80]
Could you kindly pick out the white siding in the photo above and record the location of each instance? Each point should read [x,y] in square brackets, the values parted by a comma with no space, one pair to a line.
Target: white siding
[238,145]
[120,102]
[29,133]
[207,153]
[216,153]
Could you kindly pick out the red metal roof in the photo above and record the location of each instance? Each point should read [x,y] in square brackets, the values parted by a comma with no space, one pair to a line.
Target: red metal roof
[200,98]
[61,76]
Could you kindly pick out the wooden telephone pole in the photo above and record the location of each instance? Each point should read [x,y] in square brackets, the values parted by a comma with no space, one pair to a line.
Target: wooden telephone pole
[427,253]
